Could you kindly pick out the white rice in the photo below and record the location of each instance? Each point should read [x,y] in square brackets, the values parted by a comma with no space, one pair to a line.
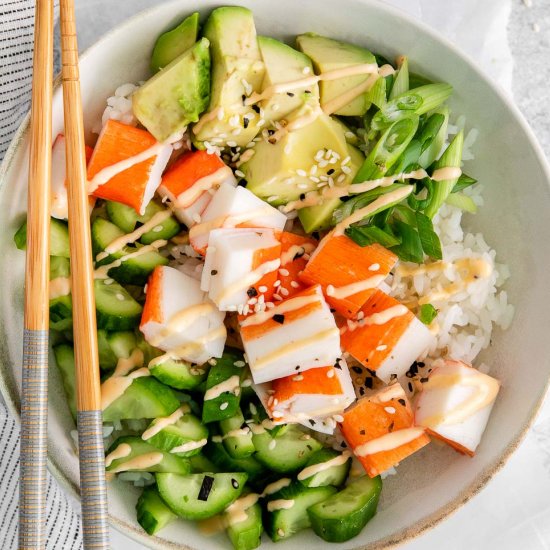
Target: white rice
[119,106]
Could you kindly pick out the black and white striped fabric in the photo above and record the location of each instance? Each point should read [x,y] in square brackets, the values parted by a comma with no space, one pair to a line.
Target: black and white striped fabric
[16,45]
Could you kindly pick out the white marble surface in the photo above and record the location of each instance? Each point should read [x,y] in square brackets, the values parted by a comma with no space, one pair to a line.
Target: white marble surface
[513,511]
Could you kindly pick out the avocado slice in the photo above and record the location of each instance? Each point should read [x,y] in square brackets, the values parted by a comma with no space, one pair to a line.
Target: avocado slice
[285,64]
[177,95]
[237,71]
[275,170]
[315,218]
[328,55]
[172,44]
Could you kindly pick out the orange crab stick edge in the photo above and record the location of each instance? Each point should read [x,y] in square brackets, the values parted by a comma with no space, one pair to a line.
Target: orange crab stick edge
[380,430]
[348,273]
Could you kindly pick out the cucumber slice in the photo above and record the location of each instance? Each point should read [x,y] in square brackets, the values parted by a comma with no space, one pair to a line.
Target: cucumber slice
[114,346]
[107,357]
[334,475]
[200,464]
[59,238]
[152,512]
[239,445]
[116,309]
[256,471]
[287,451]
[343,516]
[59,267]
[186,429]
[200,496]
[246,535]
[64,326]
[64,357]
[283,522]
[126,218]
[145,398]
[227,403]
[135,270]
[169,464]
[179,374]
[61,308]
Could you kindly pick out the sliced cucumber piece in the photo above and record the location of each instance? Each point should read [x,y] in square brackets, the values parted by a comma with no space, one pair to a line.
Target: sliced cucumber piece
[167,463]
[226,404]
[200,496]
[126,218]
[200,464]
[287,451]
[59,267]
[152,512]
[237,437]
[64,357]
[116,309]
[187,430]
[146,397]
[180,374]
[59,238]
[316,473]
[289,513]
[246,535]
[107,357]
[343,516]
[114,346]
[61,308]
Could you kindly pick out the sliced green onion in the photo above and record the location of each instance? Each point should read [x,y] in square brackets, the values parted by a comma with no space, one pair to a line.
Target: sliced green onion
[452,157]
[428,237]
[431,153]
[388,149]
[464,202]
[416,80]
[401,82]
[410,249]
[405,214]
[371,234]
[463,181]
[420,100]
[427,313]
[377,94]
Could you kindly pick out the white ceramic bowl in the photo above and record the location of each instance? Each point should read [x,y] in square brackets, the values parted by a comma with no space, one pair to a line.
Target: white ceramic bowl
[515,220]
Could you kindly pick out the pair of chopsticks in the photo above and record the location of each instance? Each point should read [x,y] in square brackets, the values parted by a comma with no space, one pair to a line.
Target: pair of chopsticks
[34,401]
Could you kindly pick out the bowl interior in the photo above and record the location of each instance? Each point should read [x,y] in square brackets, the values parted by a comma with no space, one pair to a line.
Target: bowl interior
[510,166]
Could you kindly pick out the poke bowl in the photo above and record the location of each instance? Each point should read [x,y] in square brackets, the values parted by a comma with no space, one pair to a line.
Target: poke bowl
[308,223]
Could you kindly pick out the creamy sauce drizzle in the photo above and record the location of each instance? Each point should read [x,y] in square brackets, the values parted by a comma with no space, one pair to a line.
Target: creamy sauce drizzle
[288,256]
[310,471]
[122,451]
[160,423]
[485,392]
[227,386]
[295,346]
[141,462]
[279,504]
[236,512]
[212,181]
[383,317]
[189,446]
[347,97]
[395,391]
[380,202]
[206,118]
[291,304]
[180,321]
[115,386]
[339,293]
[60,286]
[123,240]
[446,173]
[102,271]
[389,441]
[248,280]
[276,486]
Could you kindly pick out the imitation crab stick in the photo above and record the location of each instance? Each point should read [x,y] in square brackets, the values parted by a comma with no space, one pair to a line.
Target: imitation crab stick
[348,273]
[179,319]
[380,430]
[387,338]
[295,253]
[190,183]
[126,165]
[234,207]
[240,267]
[455,403]
[298,334]
[59,202]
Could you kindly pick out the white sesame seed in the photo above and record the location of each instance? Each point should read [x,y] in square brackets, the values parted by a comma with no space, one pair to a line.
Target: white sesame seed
[346,169]
[252,301]
[269,305]
[240,309]
[389,410]
[280,532]
[275,106]
[349,135]
[284,272]
[361,315]
[247,87]
[284,291]
[301,172]
[277,414]
[288,181]
[323,163]
[144,288]
[232,143]
[298,378]
[212,362]
[338,418]
[330,373]
[314,179]
[234,121]
[287,149]
[277,283]
[294,284]
[381,347]
[330,290]
[120,297]
[196,217]
[272,444]
[261,122]
[340,178]
[273,198]
[374,267]
[239,173]
[306,70]
[224,406]
[262,288]
[221,114]
[277,297]
[250,144]
[157,229]
[261,299]
[253,409]
[246,309]
[302,186]
[236,131]
[313,170]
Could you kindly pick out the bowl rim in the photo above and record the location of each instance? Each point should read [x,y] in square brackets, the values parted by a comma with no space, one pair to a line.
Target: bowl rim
[10,393]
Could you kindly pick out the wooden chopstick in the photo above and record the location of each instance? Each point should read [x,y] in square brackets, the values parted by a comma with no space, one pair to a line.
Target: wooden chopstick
[34,395]
[90,430]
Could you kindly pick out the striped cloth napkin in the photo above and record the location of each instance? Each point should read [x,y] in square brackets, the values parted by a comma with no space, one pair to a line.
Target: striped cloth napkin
[483,36]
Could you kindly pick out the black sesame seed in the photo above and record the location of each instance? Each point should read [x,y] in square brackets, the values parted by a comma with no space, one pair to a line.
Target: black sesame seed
[312,422]
[297,367]
[243,97]
[369,383]
[307,91]
[309,447]
[410,387]
[330,172]
[270,132]
[235,483]
[343,444]
[279,318]
[332,310]
[242,182]
[315,235]
[290,94]
[424,380]
[337,365]
[393,376]
[356,369]
[361,391]
[362,432]
[256,108]
[233,149]
[390,427]
[402,402]
[245,122]
[302,196]
[371,372]
[252,292]
[214,272]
